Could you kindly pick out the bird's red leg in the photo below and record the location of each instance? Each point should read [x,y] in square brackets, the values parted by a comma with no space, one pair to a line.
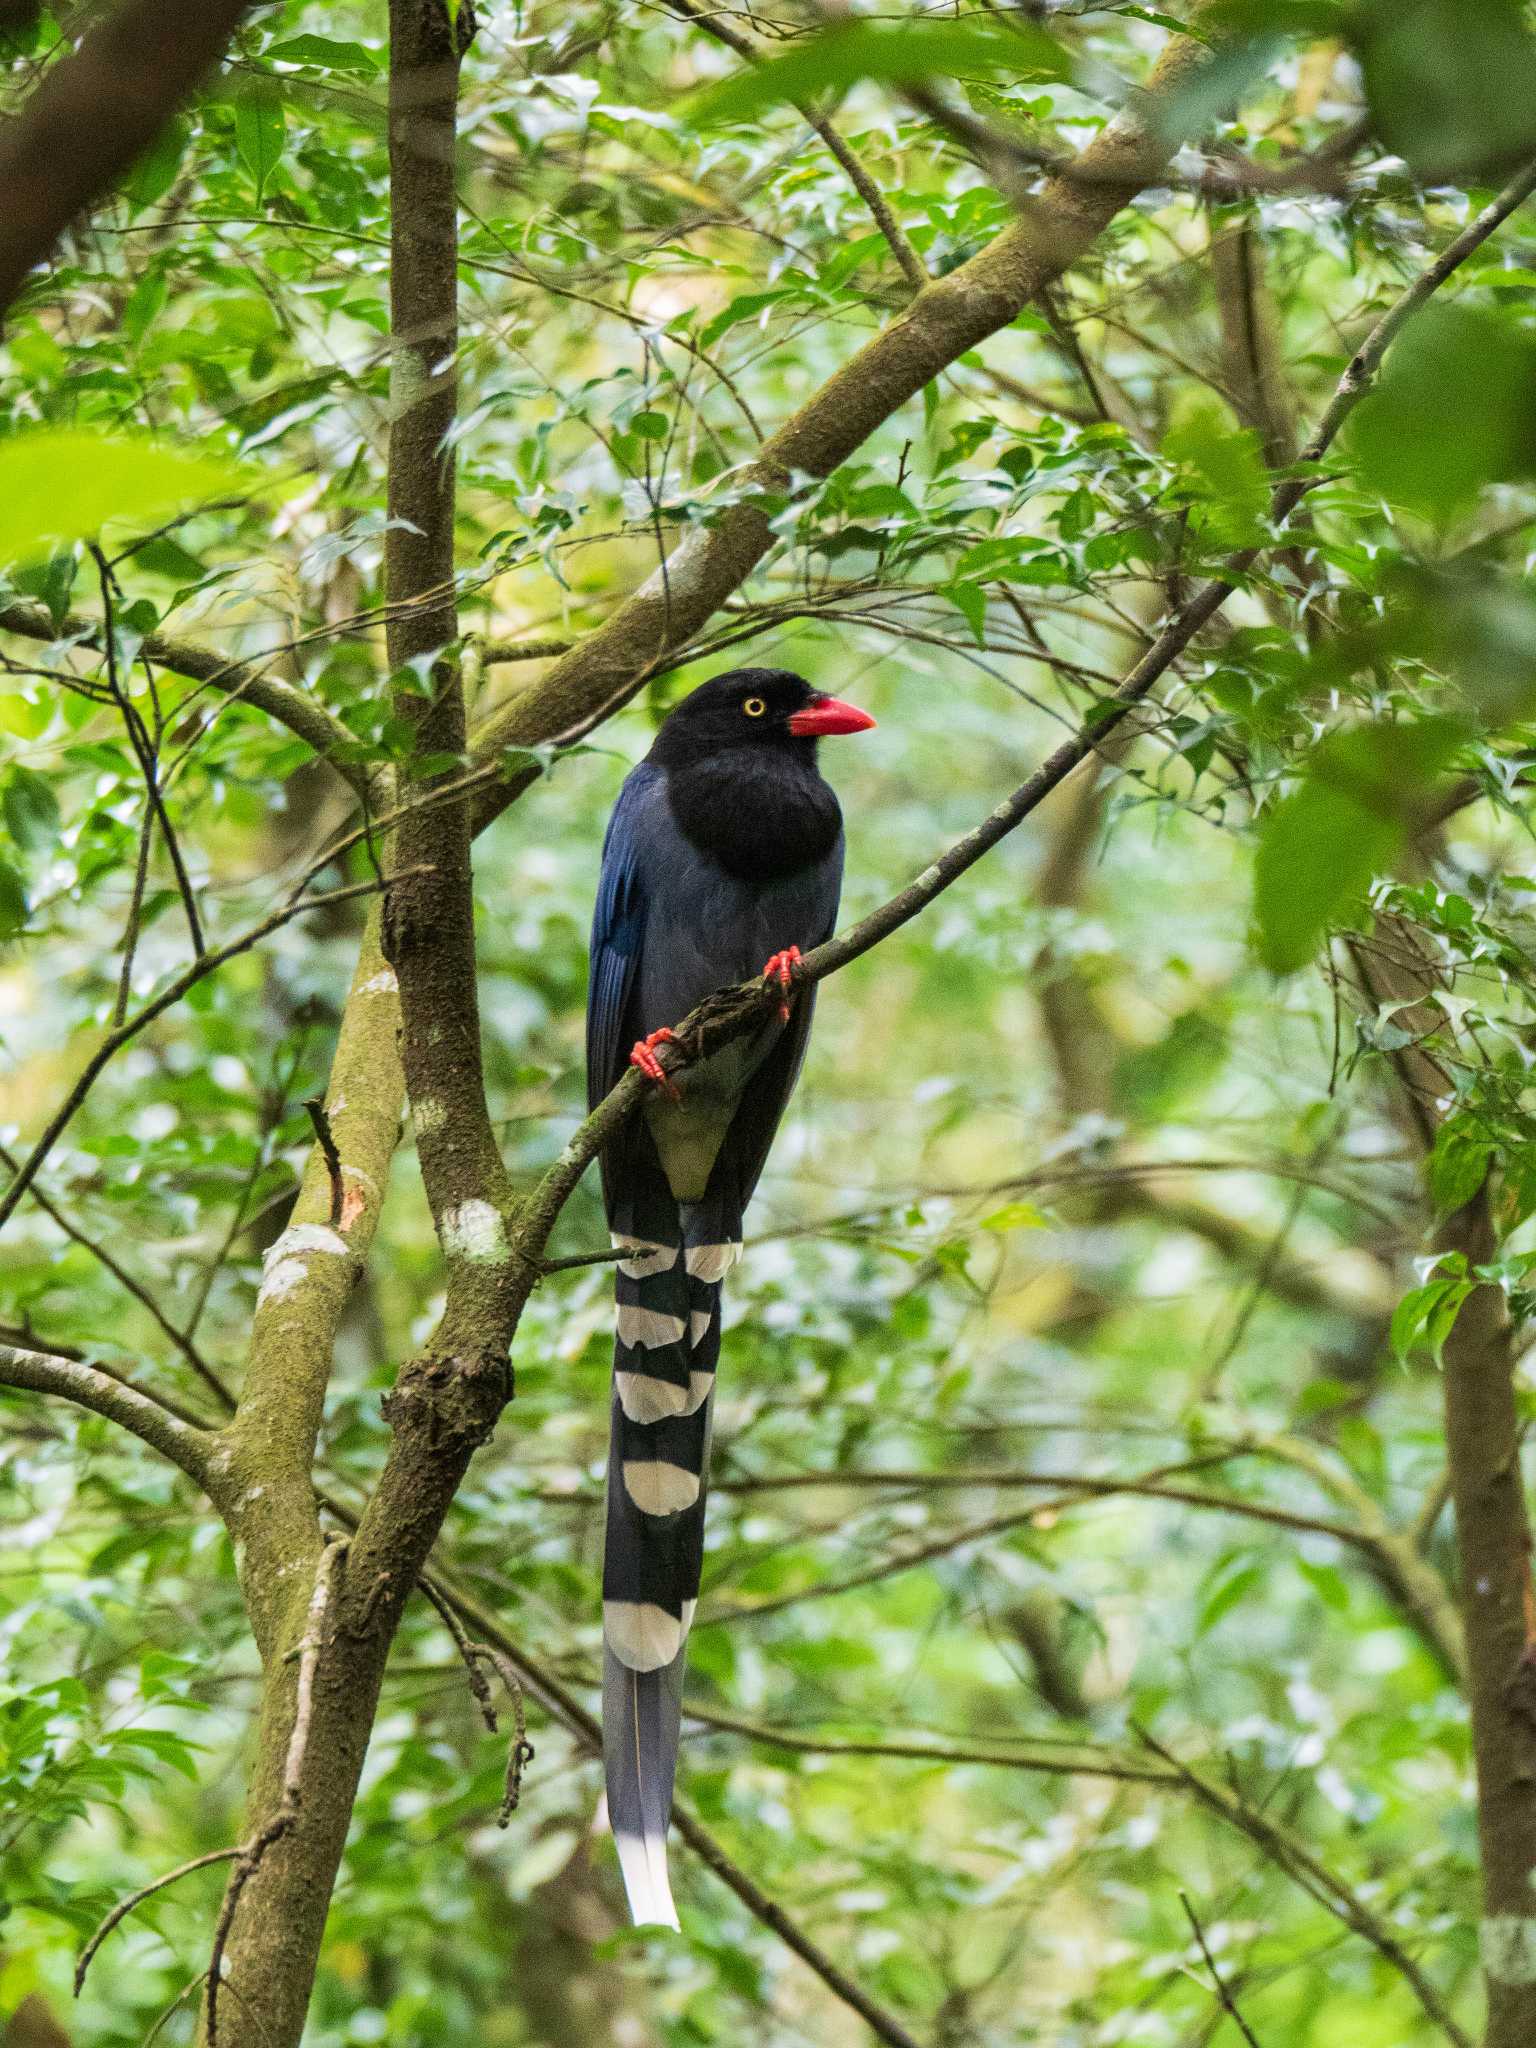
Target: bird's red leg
[781,968]
[643,1056]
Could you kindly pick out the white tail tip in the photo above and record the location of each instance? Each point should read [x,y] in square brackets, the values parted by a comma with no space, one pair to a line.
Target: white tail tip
[643,1861]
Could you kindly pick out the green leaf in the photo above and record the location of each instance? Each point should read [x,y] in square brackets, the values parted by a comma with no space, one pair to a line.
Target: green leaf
[155,172]
[1458,1165]
[1451,83]
[60,484]
[13,901]
[1453,411]
[1015,1216]
[53,581]
[1426,1315]
[1225,476]
[970,600]
[260,129]
[1321,847]
[903,53]
[1236,1579]
[31,811]
[319,53]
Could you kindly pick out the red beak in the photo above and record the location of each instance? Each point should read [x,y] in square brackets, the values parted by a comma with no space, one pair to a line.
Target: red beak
[824,716]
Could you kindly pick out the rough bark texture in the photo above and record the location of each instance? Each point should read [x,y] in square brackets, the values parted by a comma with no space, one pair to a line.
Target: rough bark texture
[1399,968]
[93,113]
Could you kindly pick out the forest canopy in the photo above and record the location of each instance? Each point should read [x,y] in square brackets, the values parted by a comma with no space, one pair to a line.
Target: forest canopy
[1117,1621]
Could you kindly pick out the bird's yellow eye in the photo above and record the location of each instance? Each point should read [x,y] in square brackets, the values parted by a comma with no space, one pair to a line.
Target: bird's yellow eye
[754,707]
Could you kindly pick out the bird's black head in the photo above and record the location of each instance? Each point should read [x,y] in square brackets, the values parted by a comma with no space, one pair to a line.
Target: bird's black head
[752,707]
[742,780]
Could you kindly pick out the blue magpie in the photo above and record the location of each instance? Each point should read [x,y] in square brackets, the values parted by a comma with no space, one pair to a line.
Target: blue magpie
[724,852]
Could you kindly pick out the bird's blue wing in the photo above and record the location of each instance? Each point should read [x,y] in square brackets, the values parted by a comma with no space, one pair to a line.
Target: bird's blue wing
[618,931]
[747,1143]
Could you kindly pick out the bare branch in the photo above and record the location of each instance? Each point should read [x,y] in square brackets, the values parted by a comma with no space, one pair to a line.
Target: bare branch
[39,1372]
[124,1907]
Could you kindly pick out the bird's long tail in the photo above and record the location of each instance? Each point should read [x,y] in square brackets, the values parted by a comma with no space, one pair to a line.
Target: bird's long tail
[667,1344]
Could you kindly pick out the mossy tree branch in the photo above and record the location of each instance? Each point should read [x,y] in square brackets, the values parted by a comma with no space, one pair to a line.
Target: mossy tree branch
[94,112]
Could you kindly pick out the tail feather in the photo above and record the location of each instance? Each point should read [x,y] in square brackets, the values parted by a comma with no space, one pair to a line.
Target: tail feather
[658,1468]
[642,1714]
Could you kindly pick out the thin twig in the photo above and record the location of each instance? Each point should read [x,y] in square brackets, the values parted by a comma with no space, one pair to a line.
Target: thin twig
[125,1907]
[326,1140]
[145,753]
[182,1995]
[522,1751]
[168,997]
[1224,1995]
[128,1283]
[291,1799]
[467,1653]
[135,910]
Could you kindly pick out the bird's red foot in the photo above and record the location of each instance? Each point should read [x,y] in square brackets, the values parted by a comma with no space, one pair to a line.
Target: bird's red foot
[781,968]
[644,1057]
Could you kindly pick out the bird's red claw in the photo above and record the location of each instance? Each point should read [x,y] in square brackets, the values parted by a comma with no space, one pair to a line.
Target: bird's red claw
[643,1056]
[781,968]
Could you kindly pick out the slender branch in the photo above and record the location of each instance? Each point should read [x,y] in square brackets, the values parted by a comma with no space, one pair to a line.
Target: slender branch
[135,912]
[39,1372]
[167,999]
[907,258]
[1079,1760]
[145,754]
[467,1652]
[303,715]
[1080,1490]
[124,1907]
[1223,1995]
[128,1283]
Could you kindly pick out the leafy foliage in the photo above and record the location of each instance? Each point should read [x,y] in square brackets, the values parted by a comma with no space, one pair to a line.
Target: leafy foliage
[1074,1189]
